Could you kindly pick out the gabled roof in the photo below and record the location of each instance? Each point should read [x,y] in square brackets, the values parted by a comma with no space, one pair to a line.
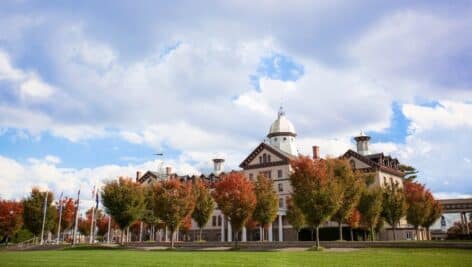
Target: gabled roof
[284,156]
[372,164]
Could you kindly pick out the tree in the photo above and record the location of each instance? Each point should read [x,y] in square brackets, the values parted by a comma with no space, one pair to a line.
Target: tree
[370,207]
[11,218]
[236,199]
[409,171]
[354,221]
[149,217]
[295,216]
[393,206]
[435,211]
[317,196]
[84,225]
[418,208]
[204,205]
[33,208]
[173,201]
[351,185]
[267,202]
[68,212]
[124,201]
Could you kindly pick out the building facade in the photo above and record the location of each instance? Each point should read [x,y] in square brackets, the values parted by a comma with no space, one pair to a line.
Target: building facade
[272,158]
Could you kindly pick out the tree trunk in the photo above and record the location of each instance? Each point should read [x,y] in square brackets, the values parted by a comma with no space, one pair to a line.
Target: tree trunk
[298,235]
[352,235]
[172,238]
[394,232]
[317,237]
[122,237]
[364,233]
[340,231]
[428,234]
[417,233]
[313,238]
[200,238]
[236,239]
[372,233]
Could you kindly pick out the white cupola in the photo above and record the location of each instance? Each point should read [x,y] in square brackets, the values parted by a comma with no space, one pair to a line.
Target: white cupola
[282,134]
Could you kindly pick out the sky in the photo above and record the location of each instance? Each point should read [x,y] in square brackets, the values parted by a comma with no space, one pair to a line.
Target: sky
[91,90]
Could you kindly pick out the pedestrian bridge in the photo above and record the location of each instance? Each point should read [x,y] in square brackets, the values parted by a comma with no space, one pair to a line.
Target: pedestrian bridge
[458,205]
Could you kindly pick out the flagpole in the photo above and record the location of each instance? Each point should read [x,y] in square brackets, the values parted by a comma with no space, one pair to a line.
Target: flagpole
[60,220]
[93,217]
[76,219]
[44,217]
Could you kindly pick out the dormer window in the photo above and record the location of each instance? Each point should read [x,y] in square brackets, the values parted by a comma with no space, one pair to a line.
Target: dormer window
[353,164]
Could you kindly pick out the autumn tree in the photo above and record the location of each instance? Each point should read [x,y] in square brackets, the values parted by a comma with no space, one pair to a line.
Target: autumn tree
[33,208]
[393,206]
[435,211]
[370,207]
[351,187]
[204,205]
[173,201]
[84,225]
[267,202]
[316,195]
[418,208]
[11,218]
[124,201]
[354,221]
[295,216]
[149,217]
[68,212]
[236,199]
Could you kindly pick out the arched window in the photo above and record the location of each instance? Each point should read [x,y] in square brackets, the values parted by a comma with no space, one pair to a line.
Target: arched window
[260,159]
[264,158]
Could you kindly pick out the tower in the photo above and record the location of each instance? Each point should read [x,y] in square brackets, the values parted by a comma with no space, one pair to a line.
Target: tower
[362,142]
[218,166]
[282,134]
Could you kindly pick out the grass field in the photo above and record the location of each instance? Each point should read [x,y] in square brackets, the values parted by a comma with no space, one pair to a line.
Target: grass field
[364,257]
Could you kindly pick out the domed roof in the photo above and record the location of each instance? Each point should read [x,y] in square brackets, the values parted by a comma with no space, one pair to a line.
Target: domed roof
[281,126]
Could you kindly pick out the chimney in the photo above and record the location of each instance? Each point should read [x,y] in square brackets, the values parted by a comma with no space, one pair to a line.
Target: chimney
[316,152]
[168,170]
[138,176]
[218,165]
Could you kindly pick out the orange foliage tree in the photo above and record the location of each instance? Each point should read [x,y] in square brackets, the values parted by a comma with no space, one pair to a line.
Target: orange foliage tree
[236,199]
[173,202]
[418,208]
[68,212]
[354,221]
[11,217]
[314,191]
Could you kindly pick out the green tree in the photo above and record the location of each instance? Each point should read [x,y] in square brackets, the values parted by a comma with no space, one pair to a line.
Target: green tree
[295,216]
[149,217]
[236,199]
[173,202]
[33,207]
[370,207]
[267,202]
[317,196]
[393,206]
[435,211]
[351,187]
[409,171]
[204,205]
[123,199]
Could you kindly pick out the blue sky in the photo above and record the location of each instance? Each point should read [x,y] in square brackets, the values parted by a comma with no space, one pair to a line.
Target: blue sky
[91,90]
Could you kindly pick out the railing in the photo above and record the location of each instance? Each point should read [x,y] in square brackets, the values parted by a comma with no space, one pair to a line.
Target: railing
[27,243]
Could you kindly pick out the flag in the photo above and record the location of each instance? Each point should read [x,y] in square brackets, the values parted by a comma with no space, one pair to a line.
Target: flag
[96,200]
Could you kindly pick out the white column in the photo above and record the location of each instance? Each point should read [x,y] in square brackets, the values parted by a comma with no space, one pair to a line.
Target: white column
[270,232]
[166,234]
[281,229]
[244,235]
[230,234]
[222,228]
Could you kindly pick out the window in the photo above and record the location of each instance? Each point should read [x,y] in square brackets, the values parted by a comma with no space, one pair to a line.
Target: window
[268,158]
[408,235]
[260,159]
[275,139]
[264,158]
[285,138]
[281,203]
[279,173]
[353,164]
[219,220]
[281,187]
[213,221]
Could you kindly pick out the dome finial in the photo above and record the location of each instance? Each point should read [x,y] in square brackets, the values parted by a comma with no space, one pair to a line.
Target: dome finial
[281,111]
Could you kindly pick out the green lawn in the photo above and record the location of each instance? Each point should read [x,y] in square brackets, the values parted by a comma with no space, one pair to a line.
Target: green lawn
[364,257]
